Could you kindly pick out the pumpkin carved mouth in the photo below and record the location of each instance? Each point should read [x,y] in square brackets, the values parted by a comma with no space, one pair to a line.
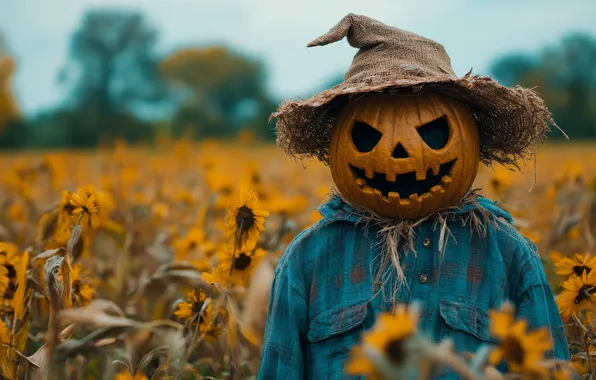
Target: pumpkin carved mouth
[405,185]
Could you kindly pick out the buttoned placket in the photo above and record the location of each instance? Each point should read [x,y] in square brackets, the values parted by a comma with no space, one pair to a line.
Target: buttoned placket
[423,277]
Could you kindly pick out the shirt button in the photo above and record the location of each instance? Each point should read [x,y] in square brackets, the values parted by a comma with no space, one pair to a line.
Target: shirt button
[423,278]
[426,242]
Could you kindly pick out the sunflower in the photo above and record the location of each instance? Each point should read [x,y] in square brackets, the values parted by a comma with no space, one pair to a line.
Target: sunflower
[243,264]
[578,293]
[522,350]
[11,261]
[385,345]
[576,265]
[126,375]
[198,311]
[82,287]
[218,276]
[245,222]
[83,205]
[4,333]
[9,254]
[194,247]
[4,280]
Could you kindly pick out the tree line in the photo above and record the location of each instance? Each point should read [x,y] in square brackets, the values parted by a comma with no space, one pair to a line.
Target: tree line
[119,87]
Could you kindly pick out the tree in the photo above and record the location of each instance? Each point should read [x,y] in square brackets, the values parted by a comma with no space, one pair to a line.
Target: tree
[565,76]
[12,127]
[114,78]
[219,92]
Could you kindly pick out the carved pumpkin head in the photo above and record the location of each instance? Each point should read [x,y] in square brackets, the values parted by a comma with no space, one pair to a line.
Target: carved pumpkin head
[404,156]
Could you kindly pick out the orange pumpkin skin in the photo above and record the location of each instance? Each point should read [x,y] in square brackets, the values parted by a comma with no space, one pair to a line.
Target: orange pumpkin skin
[424,179]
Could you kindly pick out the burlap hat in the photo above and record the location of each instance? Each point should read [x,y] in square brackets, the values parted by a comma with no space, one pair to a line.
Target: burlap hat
[510,120]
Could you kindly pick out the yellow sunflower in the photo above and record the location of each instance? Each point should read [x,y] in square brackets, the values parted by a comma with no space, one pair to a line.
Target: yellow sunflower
[245,222]
[385,343]
[194,247]
[11,261]
[244,264]
[9,254]
[4,333]
[82,285]
[219,275]
[520,349]
[578,293]
[4,280]
[126,375]
[576,265]
[198,311]
[83,206]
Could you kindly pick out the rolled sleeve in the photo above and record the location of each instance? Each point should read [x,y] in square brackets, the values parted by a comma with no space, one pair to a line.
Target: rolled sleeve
[282,356]
[536,303]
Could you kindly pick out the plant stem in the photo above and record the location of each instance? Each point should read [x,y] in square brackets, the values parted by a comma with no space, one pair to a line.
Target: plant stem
[236,244]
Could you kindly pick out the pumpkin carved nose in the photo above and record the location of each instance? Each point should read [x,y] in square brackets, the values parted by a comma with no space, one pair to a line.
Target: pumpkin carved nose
[400,152]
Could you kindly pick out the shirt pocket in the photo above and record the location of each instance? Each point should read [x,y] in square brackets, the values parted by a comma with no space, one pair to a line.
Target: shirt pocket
[331,336]
[466,325]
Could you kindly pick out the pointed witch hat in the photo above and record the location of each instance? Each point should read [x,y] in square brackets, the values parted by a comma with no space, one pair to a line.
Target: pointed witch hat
[510,120]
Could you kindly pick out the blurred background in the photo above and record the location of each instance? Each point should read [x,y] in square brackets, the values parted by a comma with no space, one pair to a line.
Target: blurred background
[75,73]
[100,101]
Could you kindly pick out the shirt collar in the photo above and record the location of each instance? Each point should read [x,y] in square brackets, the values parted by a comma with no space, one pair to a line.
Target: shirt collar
[337,210]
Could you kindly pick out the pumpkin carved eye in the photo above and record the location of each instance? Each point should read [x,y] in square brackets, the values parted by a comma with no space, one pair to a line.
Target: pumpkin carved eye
[435,134]
[365,137]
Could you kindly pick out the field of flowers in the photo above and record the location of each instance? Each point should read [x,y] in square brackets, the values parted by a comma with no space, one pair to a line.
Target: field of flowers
[155,262]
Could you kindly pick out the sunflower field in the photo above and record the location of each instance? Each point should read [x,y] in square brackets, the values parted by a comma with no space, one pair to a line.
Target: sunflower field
[155,262]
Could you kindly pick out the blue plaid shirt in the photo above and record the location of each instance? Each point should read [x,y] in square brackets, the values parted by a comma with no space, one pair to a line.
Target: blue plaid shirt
[322,297]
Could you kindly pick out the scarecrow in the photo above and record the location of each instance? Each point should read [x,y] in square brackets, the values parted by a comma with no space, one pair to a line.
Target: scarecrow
[403,137]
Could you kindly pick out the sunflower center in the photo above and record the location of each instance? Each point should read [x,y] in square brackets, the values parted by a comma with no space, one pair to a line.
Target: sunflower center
[579,269]
[395,351]
[196,309]
[584,293]
[242,262]
[12,273]
[192,245]
[245,218]
[513,350]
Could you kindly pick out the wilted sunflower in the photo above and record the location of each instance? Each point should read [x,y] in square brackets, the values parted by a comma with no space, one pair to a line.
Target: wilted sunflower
[579,292]
[520,349]
[11,261]
[244,264]
[199,311]
[9,253]
[82,286]
[576,265]
[194,247]
[84,207]
[219,276]
[385,345]
[4,333]
[4,280]
[245,222]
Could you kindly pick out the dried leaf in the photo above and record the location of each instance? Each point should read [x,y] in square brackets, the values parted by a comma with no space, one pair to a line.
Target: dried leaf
[94,317]
[107,306]
[40,367]
[49,253]
[19,297]
[75,235]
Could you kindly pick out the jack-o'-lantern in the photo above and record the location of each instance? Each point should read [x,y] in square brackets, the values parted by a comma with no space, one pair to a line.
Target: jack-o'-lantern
[404,156]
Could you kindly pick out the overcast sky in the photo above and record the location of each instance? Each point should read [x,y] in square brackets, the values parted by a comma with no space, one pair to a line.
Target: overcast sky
[474,32]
